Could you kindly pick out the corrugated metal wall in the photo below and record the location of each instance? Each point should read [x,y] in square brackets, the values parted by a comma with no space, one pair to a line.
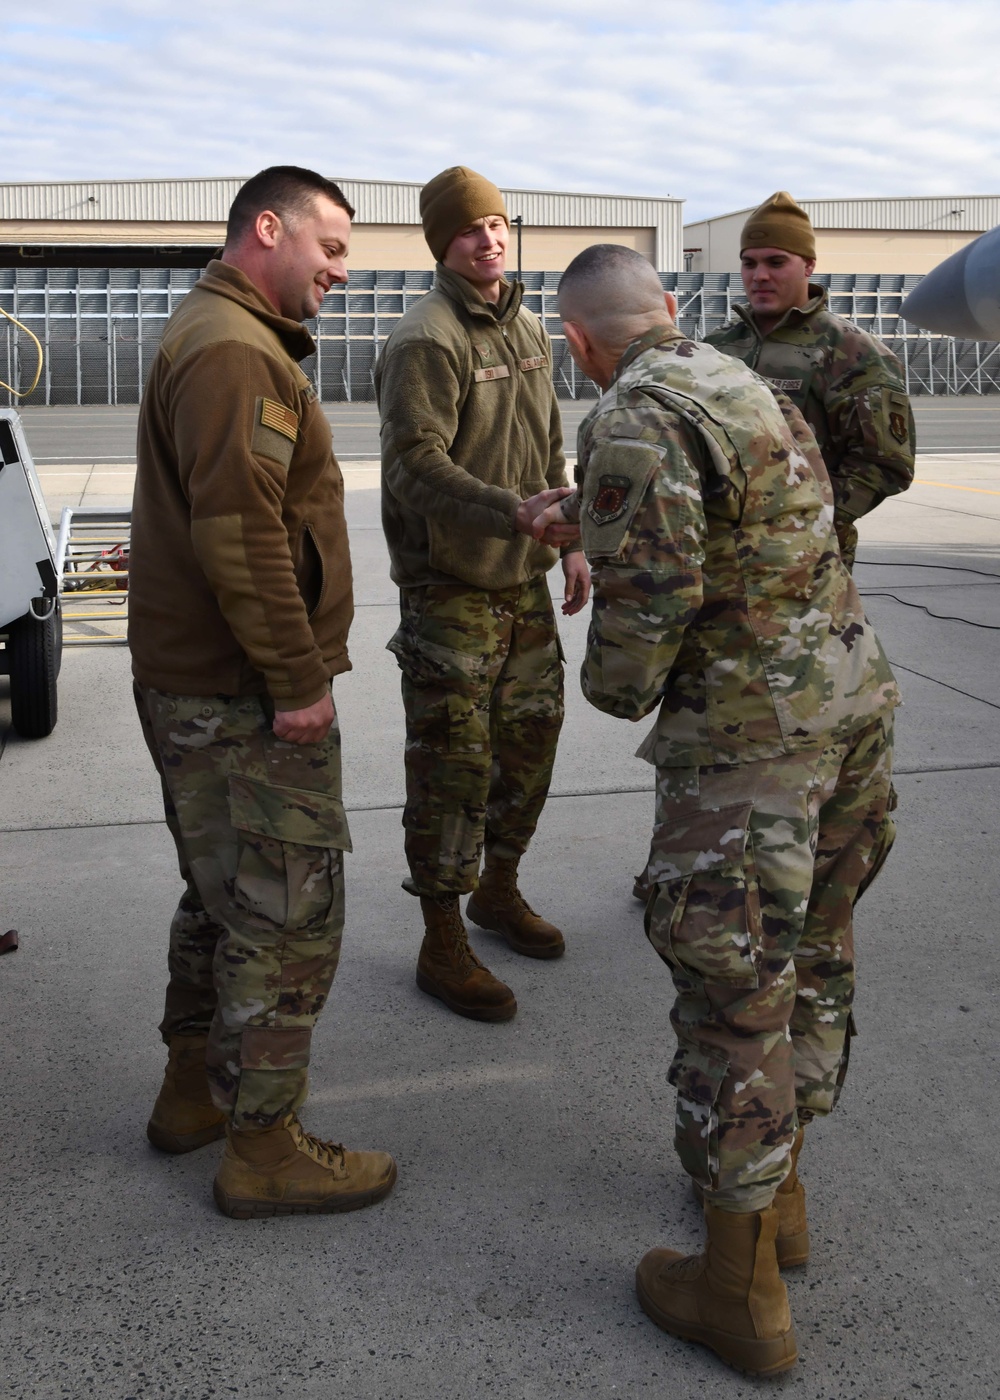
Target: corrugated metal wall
[376,202]
[100,329]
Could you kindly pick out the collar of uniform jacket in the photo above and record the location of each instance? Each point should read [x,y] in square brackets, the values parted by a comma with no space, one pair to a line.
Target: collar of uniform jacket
[659,335]
[228,281]
[464,294]
[794,317]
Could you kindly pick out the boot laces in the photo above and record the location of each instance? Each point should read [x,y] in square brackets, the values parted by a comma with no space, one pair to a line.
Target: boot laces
[506,878]
[327,1154]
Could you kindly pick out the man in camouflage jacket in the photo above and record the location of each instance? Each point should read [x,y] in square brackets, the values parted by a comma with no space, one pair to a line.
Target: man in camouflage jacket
[848,385]
[721,602]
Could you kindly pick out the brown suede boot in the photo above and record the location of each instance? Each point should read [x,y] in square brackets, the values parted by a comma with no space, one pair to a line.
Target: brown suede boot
[184,1116]
[448,969]
[791,1244]
[731,1298]
[284,1171]
[499,905]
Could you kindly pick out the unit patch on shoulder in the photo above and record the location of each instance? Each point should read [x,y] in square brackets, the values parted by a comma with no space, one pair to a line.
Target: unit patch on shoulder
[897,426]
[610,500]
[281,419]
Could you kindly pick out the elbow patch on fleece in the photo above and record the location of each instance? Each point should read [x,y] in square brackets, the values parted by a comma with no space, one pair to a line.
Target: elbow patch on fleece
[218,542]
[618,472]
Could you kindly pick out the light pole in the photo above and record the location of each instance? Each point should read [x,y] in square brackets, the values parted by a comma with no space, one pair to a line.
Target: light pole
[518,224]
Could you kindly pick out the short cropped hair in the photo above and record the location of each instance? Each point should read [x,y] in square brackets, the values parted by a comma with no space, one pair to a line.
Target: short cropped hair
[288,190]
[602,258]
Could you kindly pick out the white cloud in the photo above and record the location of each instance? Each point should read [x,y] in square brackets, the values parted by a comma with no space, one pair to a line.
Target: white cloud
[719,102]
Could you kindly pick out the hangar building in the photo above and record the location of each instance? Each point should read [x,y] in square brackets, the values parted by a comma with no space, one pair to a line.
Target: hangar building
[179,223]
[858,235]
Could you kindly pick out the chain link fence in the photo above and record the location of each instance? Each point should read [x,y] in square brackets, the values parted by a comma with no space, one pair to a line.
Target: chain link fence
[100,328]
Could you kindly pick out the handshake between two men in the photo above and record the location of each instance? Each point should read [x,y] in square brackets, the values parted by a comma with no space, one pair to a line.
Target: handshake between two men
[553,517]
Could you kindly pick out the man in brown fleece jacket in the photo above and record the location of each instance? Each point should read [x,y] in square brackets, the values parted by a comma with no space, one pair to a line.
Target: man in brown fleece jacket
[471,452]
[240,602]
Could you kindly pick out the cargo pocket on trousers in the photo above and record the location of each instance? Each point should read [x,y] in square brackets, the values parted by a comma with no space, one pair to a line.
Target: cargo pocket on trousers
[698,1076]
[704,919]
[288,854]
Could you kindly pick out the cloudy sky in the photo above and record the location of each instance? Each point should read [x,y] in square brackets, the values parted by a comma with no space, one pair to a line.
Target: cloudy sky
[716,101]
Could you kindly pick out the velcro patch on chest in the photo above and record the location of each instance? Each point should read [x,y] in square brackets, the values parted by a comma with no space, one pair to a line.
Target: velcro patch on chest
[534,362]
[494,372]
[281,419]
[610,501]
[787,386]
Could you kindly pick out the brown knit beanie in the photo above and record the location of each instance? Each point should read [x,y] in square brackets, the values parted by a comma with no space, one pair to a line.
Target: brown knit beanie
[780,223]
[453,200]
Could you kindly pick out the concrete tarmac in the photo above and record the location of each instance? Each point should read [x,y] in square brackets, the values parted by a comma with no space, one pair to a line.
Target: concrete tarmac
[535,1158]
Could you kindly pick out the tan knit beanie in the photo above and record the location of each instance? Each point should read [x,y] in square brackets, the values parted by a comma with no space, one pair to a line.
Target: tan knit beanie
[780,223]
[453,200]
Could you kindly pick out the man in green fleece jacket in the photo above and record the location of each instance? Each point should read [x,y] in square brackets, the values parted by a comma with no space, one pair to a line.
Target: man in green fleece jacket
[471,452]
[240,603]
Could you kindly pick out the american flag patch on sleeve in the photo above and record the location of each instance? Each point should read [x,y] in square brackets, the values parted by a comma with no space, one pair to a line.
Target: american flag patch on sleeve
[281,419]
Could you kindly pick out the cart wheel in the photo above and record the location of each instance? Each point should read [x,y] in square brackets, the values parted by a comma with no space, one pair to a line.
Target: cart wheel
[33,656]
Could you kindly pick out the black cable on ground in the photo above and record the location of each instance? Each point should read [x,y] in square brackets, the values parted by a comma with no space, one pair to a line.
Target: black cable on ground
[896,564]
[941,617]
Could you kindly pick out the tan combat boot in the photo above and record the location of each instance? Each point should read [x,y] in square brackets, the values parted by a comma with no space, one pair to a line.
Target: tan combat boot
[791,1244]
[284,1171]
[499,905]
[447,967]
[184,1116]
[731,1298]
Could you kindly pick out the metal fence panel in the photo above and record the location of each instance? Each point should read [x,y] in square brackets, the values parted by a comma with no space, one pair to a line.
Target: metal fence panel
[100,328]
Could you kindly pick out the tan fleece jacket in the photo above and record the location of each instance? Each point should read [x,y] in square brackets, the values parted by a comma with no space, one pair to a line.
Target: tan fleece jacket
[470,428]
[239,574]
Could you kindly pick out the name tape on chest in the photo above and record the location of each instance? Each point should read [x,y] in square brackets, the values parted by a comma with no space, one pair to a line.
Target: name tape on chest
[787,386]
[534,362]
[279,418]
[494,372]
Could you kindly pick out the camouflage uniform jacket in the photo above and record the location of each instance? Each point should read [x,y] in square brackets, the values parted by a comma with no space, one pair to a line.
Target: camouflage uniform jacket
[849,388]
[470,428]
[719,592]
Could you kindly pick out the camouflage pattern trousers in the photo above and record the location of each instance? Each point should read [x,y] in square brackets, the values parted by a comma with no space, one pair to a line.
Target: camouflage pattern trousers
[755,872]
[483,693]
[254,944]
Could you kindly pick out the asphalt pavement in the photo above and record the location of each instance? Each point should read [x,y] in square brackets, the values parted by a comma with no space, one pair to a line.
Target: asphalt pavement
[101,433]
[535,1158]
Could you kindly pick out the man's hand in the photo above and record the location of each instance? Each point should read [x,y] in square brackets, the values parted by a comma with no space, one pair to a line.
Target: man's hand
[577,576]
[557,530]
[551,524]
[308,726]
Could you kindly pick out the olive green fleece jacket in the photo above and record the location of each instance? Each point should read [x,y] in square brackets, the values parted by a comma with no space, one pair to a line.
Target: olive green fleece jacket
[470,428]
[239,572]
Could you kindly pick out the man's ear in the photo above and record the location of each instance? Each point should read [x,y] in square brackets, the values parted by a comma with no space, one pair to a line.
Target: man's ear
[810,266]
[670,301]
[578,341]
[267,227]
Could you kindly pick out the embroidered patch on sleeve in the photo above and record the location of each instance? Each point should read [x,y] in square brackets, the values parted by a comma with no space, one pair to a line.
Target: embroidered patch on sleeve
[618,470]
[611,499]
[495,372]
[281,419]
[534,362]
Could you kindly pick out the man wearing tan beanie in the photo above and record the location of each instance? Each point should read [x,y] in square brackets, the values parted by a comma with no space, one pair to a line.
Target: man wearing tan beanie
[848,385]
[471,453]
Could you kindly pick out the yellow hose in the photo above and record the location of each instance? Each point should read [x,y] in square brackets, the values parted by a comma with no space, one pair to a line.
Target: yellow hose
[23,393]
